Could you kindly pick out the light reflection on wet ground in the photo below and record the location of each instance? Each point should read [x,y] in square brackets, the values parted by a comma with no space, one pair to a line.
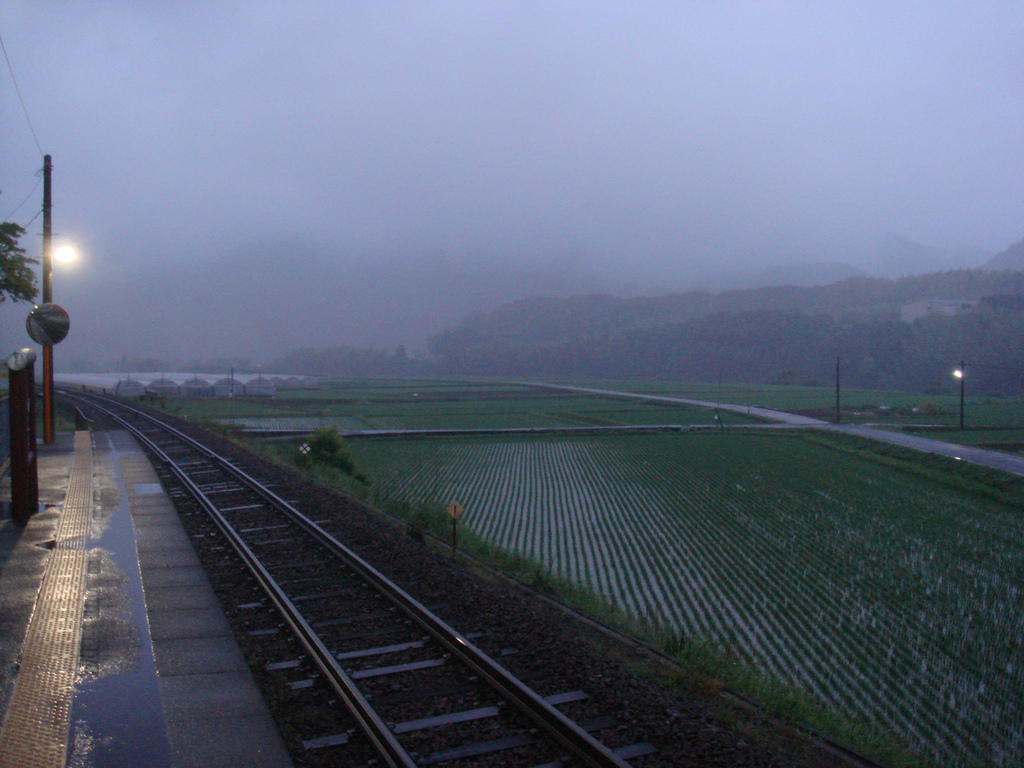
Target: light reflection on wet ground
[117,716]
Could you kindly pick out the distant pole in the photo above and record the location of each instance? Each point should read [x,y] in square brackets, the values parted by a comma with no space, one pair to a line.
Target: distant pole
[838,418]
[963,375]
[47,298]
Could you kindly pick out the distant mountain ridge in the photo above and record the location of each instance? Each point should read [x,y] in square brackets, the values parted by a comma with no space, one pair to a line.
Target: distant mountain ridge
[1011,258]
[780,335]
[547,320]
[267,298]
[803,273]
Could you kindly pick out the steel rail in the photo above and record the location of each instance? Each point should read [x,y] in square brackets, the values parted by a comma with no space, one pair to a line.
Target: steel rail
[568,733]
[373,726]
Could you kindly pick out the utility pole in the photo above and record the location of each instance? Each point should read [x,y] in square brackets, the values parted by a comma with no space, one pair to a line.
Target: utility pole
[47,298]
[961,374]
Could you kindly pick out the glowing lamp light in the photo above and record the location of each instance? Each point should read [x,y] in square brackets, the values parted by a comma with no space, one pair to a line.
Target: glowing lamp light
[65,254]
[959,373]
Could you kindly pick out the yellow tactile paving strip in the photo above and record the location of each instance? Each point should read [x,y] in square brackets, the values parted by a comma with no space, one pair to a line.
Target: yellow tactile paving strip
[36,727]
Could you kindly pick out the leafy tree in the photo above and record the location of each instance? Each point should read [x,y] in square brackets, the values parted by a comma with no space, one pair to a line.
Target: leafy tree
[17,279]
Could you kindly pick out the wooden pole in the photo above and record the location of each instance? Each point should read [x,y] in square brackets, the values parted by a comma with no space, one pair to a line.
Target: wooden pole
[963,375]
[48,435]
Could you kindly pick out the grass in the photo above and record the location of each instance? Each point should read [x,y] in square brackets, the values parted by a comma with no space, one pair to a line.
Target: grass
[858,405]
[800,531]
[961,476]
[440,404]
[411,405]
[706,668]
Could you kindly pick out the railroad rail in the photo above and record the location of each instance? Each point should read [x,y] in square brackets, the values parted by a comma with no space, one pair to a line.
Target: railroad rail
[359,630]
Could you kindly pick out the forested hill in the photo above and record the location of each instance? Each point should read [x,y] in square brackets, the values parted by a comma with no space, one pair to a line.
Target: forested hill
[781,334]
[543,320]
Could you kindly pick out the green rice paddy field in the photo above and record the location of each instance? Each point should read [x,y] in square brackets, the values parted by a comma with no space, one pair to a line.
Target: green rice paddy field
[353,405]
[896,600]
[858,405]
[893,597]
[444,405]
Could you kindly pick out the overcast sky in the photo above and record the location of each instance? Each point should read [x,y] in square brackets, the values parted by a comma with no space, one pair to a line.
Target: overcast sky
[652,136]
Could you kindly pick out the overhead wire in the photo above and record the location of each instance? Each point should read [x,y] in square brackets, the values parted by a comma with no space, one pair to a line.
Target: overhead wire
[29,224]
[31,129]
[10,216]
[17,90]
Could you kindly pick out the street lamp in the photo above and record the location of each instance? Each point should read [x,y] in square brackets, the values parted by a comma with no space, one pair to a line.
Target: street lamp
[50,328]
[960,373]
[65,254]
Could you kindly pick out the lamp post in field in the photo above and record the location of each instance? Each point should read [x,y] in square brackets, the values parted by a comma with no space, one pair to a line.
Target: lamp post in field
[960,373]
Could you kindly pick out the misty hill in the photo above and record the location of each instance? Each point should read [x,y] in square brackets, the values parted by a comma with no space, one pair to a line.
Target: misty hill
[546,320]
[770,335]
[897,256]
[803,273]
[264,301]
[269,298]
[1011,258]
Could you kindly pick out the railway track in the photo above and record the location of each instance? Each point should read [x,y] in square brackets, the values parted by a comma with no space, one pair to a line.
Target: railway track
[380,676]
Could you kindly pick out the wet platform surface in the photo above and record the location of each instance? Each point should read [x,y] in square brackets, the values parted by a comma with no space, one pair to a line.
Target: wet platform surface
[113,648]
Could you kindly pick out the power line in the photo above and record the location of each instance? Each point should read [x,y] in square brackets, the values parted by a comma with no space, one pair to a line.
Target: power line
[22,203]
[32,219]
[18,91]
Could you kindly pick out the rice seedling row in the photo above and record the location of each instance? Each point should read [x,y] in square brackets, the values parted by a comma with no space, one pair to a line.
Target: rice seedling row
[889,598]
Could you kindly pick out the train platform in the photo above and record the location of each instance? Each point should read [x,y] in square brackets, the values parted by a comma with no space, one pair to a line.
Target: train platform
[113,648]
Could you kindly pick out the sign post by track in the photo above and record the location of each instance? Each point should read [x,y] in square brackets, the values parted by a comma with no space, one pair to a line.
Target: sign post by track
[455,511]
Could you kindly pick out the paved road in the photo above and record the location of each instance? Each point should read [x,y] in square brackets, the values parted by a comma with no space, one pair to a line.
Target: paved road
[752,410]
[985,458]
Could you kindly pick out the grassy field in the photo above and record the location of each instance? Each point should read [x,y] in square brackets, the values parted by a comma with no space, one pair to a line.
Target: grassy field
[895,600]
[434,404]
[886,585]
[441,405]
[1007,440]
[858,406]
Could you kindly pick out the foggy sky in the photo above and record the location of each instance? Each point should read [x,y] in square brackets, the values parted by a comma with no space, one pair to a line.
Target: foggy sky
[653,139]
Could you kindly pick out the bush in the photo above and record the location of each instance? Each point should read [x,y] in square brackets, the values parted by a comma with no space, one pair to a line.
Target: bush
[327,447]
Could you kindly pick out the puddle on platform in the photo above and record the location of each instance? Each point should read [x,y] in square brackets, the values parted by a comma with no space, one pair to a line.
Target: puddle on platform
[117,714]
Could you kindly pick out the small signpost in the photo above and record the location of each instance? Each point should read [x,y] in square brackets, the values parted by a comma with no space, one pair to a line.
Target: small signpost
[455,511]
